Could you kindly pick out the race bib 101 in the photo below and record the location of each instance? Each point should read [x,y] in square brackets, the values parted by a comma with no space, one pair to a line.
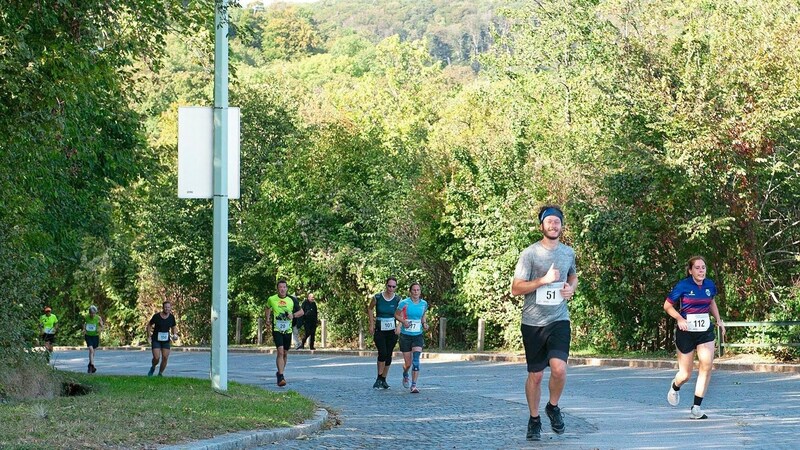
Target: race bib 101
[386,323]
[549,294]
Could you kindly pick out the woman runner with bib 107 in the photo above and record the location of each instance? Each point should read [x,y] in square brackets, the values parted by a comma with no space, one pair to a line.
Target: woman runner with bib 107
[694,298]
[411,314]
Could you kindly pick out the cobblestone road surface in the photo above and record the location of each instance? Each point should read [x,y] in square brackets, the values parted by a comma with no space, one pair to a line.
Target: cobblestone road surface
[481,405]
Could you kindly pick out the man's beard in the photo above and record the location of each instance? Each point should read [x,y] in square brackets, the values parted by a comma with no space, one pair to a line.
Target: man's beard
[548,233]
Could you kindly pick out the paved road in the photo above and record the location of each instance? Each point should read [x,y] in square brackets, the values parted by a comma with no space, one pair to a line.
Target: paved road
[481,405]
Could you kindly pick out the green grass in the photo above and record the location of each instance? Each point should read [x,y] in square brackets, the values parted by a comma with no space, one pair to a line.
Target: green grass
[141,412]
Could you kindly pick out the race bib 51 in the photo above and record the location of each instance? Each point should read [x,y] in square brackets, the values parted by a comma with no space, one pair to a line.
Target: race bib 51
[549,294]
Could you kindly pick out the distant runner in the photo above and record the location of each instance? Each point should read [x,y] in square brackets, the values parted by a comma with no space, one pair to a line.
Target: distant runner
[384,329]
[694,298]
[283,308]
[411,314]
[162,332]
[48,324]
[92,326]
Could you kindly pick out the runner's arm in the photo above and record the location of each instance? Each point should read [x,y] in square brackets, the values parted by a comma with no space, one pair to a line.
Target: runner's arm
[522,287]
[715,312]
[371,315]
[670,309]
[569,287]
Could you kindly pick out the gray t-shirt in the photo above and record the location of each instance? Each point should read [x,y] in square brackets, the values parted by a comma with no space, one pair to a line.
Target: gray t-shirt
[534,262]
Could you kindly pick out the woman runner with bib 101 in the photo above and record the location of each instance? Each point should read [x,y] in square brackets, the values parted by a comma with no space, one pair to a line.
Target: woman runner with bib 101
[382,327]
[694,298]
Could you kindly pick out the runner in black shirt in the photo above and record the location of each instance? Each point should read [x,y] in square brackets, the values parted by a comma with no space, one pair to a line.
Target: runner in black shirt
[161,331]
[309,320]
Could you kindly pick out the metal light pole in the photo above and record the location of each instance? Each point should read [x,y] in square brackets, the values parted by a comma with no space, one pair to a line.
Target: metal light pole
[219,302]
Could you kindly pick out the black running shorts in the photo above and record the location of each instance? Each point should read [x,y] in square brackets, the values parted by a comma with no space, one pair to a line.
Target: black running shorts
[282,340]
[155,343]
[687,341]
[408,342]
[544,343]
[92,341]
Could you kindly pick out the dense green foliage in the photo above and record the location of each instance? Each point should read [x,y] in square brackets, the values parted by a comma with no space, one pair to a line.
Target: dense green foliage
[392,138]
[70,139]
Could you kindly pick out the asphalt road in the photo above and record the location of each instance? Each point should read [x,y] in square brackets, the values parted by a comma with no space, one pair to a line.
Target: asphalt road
[481,405]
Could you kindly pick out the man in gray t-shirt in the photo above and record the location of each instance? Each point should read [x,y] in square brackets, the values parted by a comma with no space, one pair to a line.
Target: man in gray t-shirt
[546,275]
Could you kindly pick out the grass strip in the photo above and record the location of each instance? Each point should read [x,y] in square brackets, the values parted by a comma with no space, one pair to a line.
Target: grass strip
[145,412]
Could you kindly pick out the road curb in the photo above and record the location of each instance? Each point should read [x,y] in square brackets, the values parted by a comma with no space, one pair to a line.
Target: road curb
[254,438]
[496,357]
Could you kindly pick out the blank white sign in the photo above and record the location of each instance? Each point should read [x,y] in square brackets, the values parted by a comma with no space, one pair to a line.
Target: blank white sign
[196,152]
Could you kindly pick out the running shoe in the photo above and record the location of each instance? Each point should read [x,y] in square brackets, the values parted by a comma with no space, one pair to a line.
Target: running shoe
[89,370]
[414,389]
[281,379]
[534,429]
[697,413]
[406,380]
[673,396]
[377,384]
[94,369]
[556,420]
[150,372]
[384,384]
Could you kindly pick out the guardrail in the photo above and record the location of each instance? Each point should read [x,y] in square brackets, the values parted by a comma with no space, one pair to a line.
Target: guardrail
[723,344]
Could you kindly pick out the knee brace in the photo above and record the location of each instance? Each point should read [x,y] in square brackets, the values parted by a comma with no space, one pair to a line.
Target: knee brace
[415,361]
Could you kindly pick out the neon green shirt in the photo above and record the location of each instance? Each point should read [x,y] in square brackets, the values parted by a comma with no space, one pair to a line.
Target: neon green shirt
[282,309]
[92,325]
[49,323]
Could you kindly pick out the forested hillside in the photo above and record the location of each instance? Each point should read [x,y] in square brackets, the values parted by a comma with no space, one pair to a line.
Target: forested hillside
[410,139]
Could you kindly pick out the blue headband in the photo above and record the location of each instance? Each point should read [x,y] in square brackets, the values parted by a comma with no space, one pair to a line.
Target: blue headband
[550,212]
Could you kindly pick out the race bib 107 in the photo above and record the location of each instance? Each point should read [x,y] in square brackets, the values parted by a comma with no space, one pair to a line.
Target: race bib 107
[414,325]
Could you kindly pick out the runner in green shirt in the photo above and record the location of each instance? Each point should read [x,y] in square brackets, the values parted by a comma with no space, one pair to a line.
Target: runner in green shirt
[284,308]
[48,323]
[92,327]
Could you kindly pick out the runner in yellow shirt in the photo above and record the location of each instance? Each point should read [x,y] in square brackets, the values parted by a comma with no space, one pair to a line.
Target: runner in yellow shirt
[48,323]
[283,308]
[92,326]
